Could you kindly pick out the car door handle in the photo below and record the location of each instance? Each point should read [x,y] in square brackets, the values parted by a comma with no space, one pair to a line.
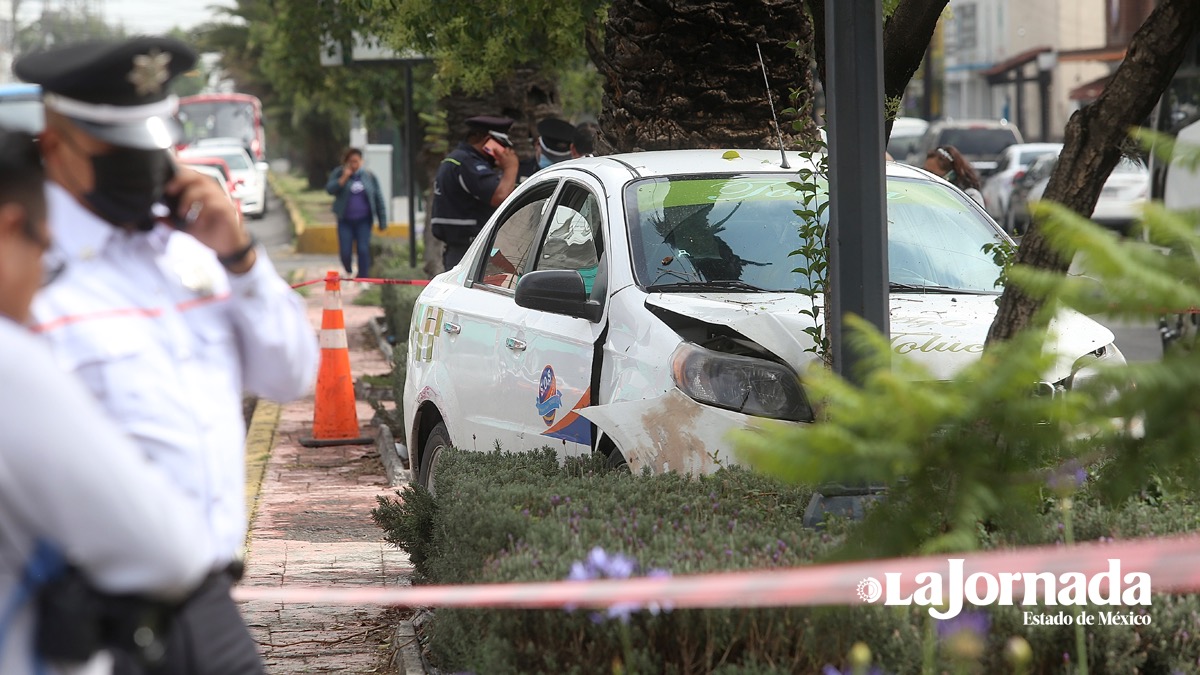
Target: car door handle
[451,328]
[515,344]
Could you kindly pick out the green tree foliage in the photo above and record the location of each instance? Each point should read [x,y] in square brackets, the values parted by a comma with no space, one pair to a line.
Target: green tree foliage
[273,49]
[474,44]
[63,26]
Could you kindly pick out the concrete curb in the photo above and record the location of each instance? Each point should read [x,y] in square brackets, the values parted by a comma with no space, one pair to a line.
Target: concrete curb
[406,650]
[392,464]
[384,346]
[260,440]
[299,224]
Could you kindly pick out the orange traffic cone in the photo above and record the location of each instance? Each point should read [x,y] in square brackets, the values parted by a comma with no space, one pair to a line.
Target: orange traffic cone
[335,418]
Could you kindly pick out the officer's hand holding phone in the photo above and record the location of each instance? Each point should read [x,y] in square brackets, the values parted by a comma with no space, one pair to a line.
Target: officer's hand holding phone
[204,211]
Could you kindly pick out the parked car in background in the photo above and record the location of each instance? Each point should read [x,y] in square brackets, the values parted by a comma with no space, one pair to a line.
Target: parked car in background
[1121,199]
[21,108]
[906,135]
[643,306]
[980,141]
[221,169]
[1123,196]
[215,174]
[1016,216]
[1011,165]
[249,182]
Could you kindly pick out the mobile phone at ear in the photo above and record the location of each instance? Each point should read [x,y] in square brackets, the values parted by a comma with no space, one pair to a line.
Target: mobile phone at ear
[170,203]
[491,146]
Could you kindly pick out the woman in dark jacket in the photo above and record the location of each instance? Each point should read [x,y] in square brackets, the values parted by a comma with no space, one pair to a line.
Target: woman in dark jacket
[357,203]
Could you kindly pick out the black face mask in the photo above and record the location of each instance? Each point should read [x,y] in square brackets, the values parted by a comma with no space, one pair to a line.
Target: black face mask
[128,183]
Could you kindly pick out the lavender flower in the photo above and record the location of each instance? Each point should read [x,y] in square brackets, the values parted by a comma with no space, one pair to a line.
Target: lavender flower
[964,635]
[599,564]
[1068,477]
[976,623]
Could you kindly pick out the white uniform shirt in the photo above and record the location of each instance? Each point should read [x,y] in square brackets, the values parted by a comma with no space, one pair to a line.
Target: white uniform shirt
[168,341]
[70,478]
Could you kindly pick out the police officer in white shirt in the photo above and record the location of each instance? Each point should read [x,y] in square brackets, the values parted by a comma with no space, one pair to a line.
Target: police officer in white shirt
[166,309]
[74,490]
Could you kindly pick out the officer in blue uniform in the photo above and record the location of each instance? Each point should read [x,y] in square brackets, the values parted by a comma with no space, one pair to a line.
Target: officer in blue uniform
[471,182]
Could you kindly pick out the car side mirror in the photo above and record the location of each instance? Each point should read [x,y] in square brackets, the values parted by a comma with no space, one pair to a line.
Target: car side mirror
[262,166]
[558,292]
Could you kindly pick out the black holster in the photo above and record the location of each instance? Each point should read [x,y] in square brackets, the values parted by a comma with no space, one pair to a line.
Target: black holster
[74,621]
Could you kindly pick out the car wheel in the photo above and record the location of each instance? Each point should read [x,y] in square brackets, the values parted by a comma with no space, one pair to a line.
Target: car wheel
[439,439]
[617,461]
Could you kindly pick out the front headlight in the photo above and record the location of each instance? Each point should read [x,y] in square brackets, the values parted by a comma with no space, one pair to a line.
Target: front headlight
[748,385]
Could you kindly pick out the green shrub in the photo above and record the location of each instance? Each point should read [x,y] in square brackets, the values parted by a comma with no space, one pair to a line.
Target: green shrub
[525,517]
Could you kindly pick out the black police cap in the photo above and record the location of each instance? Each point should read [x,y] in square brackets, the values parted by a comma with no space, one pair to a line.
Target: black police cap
[490,123]
[115,91]
[555,135]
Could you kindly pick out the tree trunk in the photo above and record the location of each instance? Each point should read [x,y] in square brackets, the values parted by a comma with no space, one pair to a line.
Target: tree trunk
[906,36]
[1093,140]
[685,73]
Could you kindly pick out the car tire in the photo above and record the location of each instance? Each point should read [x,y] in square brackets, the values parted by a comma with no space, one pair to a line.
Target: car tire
[438,440]
[617,462]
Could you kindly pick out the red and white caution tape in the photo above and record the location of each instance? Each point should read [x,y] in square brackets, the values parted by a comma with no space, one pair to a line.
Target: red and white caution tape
[1172,563]
[387,282]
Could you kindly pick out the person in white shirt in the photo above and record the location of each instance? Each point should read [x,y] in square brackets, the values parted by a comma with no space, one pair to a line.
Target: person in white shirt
[166,324]
[71,483]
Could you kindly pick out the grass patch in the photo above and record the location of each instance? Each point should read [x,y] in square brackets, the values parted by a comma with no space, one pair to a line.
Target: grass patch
[314,205]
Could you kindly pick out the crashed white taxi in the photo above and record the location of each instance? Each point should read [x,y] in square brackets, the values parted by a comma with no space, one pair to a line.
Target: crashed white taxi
[643,306]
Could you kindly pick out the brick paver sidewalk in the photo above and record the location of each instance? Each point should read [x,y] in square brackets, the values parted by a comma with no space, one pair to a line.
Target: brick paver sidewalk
[313,527]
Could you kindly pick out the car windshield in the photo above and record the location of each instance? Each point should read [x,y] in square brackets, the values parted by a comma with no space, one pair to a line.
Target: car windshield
[981,142]
[210,119]
[1027,157]
[741,234]
[901,145]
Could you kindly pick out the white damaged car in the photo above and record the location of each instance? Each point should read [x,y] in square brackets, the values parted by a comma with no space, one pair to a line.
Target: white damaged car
[644,305]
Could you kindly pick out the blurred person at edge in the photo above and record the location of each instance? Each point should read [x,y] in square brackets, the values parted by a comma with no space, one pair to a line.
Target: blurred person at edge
[946,161]
[583,141]
[166,324]
[357,203]
[74,489]
[472,181]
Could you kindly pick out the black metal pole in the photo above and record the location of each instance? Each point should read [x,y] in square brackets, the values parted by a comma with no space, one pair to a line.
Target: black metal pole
[1044,99]
[1019,117]
[858,216]
[409,161]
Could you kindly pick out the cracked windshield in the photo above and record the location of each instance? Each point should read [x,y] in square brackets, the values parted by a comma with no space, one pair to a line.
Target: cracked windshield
[742,233]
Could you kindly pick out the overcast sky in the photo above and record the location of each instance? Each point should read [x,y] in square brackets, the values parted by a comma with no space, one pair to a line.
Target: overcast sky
[143,16]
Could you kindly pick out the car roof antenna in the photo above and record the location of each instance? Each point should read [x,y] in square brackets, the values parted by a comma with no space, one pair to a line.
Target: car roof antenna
[770,100]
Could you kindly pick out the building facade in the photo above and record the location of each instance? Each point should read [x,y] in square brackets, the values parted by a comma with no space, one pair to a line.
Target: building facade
[1033,62]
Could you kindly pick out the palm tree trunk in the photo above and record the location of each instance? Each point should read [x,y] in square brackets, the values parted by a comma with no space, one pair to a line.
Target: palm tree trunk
[685,74]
